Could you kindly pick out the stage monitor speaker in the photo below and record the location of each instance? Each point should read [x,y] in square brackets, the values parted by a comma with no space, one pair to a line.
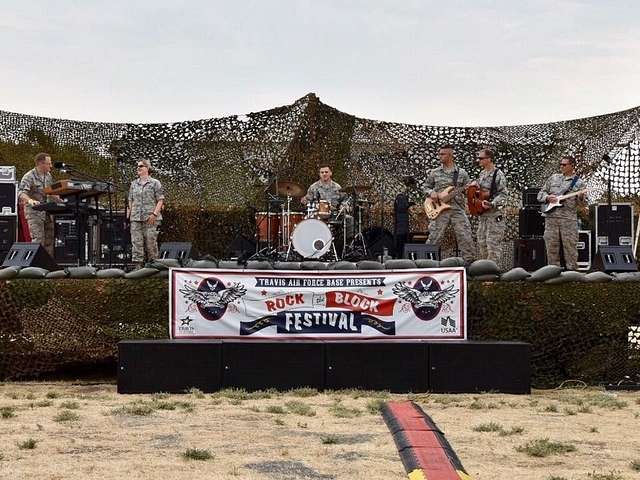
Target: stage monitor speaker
[616,259]
[8,233]
[613,225]
[29,254]
[281,365]
[171,366]
[421,251]
[530,197]
[529,253]
[530,223]
[471,366]
[8,198]
[398,367]
[175,250]
[584,249]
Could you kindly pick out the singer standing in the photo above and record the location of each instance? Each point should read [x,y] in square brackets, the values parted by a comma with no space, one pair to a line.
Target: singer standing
[146,199]
[30,194]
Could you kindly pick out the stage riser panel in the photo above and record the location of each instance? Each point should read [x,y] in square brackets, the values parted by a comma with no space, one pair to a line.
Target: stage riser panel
[466,367]
[172,366]
[176,366]
[283,366]
[397,367]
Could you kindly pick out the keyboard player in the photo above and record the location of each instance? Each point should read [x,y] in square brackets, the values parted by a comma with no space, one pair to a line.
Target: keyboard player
[30,194]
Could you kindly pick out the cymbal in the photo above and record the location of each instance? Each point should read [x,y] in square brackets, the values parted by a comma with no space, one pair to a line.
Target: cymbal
[292,189]
[355,189]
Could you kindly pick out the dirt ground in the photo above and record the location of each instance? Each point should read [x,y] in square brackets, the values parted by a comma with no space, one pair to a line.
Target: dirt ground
[69,430]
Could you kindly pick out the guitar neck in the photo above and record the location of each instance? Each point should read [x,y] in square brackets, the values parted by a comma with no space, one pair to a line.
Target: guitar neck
[572,194]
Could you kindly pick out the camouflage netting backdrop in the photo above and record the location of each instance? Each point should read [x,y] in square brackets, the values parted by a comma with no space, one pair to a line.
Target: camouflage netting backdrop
[214,172]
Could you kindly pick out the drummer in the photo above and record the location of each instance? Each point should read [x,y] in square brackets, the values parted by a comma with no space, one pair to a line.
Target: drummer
[325,189]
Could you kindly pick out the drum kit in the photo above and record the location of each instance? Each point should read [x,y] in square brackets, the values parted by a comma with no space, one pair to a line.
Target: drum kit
[322,232]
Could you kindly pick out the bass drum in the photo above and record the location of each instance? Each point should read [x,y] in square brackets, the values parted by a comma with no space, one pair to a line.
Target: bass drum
[311,238]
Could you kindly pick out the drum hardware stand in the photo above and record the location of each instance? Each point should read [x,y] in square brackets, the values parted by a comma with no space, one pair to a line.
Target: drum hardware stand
[268,252]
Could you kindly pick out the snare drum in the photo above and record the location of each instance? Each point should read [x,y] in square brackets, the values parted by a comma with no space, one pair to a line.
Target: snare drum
[324,209]
[264,222]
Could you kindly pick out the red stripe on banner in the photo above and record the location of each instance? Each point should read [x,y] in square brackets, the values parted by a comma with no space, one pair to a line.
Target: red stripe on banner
[360,303]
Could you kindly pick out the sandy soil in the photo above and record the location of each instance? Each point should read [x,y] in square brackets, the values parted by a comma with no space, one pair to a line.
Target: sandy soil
[88,431]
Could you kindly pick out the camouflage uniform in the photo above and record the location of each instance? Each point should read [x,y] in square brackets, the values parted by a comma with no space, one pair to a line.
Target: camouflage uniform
[331,192]
[143,198]
[325,191]
[437,180]
[561,224]
[491,224]
[40,224]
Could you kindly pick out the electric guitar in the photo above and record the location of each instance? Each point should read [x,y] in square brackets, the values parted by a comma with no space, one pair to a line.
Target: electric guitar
[433,208]
[548,207]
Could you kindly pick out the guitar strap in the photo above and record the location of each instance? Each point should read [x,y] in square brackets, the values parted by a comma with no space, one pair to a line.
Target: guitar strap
[456,172]
[492,190]
[573,184]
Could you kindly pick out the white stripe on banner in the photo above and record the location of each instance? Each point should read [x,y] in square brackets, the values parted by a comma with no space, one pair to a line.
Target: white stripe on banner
[384,304]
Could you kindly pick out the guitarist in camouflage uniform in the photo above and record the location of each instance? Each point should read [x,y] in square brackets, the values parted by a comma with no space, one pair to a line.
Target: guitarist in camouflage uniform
[491,223]
[447,175]
[561,224]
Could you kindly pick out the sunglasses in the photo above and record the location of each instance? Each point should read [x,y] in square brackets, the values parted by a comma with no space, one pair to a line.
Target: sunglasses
[141,166]
[564,164]
[482,158]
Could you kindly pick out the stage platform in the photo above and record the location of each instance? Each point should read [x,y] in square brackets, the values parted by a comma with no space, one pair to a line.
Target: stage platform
[400,366]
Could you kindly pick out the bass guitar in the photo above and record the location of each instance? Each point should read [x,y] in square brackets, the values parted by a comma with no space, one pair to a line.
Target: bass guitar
[548,207]
[433,208]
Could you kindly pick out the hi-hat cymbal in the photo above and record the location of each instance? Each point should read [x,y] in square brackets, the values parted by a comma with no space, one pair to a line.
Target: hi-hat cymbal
[292,189]
[355,189]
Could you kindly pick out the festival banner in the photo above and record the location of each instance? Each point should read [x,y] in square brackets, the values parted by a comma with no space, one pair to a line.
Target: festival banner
[276,304]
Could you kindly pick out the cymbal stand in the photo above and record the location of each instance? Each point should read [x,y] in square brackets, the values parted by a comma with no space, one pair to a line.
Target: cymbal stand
[268,252]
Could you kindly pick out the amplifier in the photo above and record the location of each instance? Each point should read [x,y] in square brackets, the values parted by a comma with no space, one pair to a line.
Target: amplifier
[7,174]
[65,240]
[529,253]
[415,251]
[530,223]
[8,198]
[584,250]
[530,197]
[8,234]
[613,225]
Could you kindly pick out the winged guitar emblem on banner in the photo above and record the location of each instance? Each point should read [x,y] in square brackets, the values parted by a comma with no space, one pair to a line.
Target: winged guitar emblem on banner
[424,298]
[212,298]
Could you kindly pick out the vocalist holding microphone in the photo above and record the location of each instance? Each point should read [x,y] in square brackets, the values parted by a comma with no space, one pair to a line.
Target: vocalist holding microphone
[30,194]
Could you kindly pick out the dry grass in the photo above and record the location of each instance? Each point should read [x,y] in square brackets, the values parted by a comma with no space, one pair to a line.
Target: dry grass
[305,434]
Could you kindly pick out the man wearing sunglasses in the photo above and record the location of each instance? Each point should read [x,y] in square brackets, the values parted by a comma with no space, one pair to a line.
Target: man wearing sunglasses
[146,199]
[561,224]
[491,223]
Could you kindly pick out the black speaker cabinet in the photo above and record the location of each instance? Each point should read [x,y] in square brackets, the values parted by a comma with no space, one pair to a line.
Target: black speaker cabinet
[175,250]
[470,366]
[584,249]
[529,253]
[8,233]
[416,251]
[8,198]
[114,239]
[530,223]
[370,365]
[613,225]
[172,366]
[616,259]
[66,237]
[28,254]
[530,197]
[255,365]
